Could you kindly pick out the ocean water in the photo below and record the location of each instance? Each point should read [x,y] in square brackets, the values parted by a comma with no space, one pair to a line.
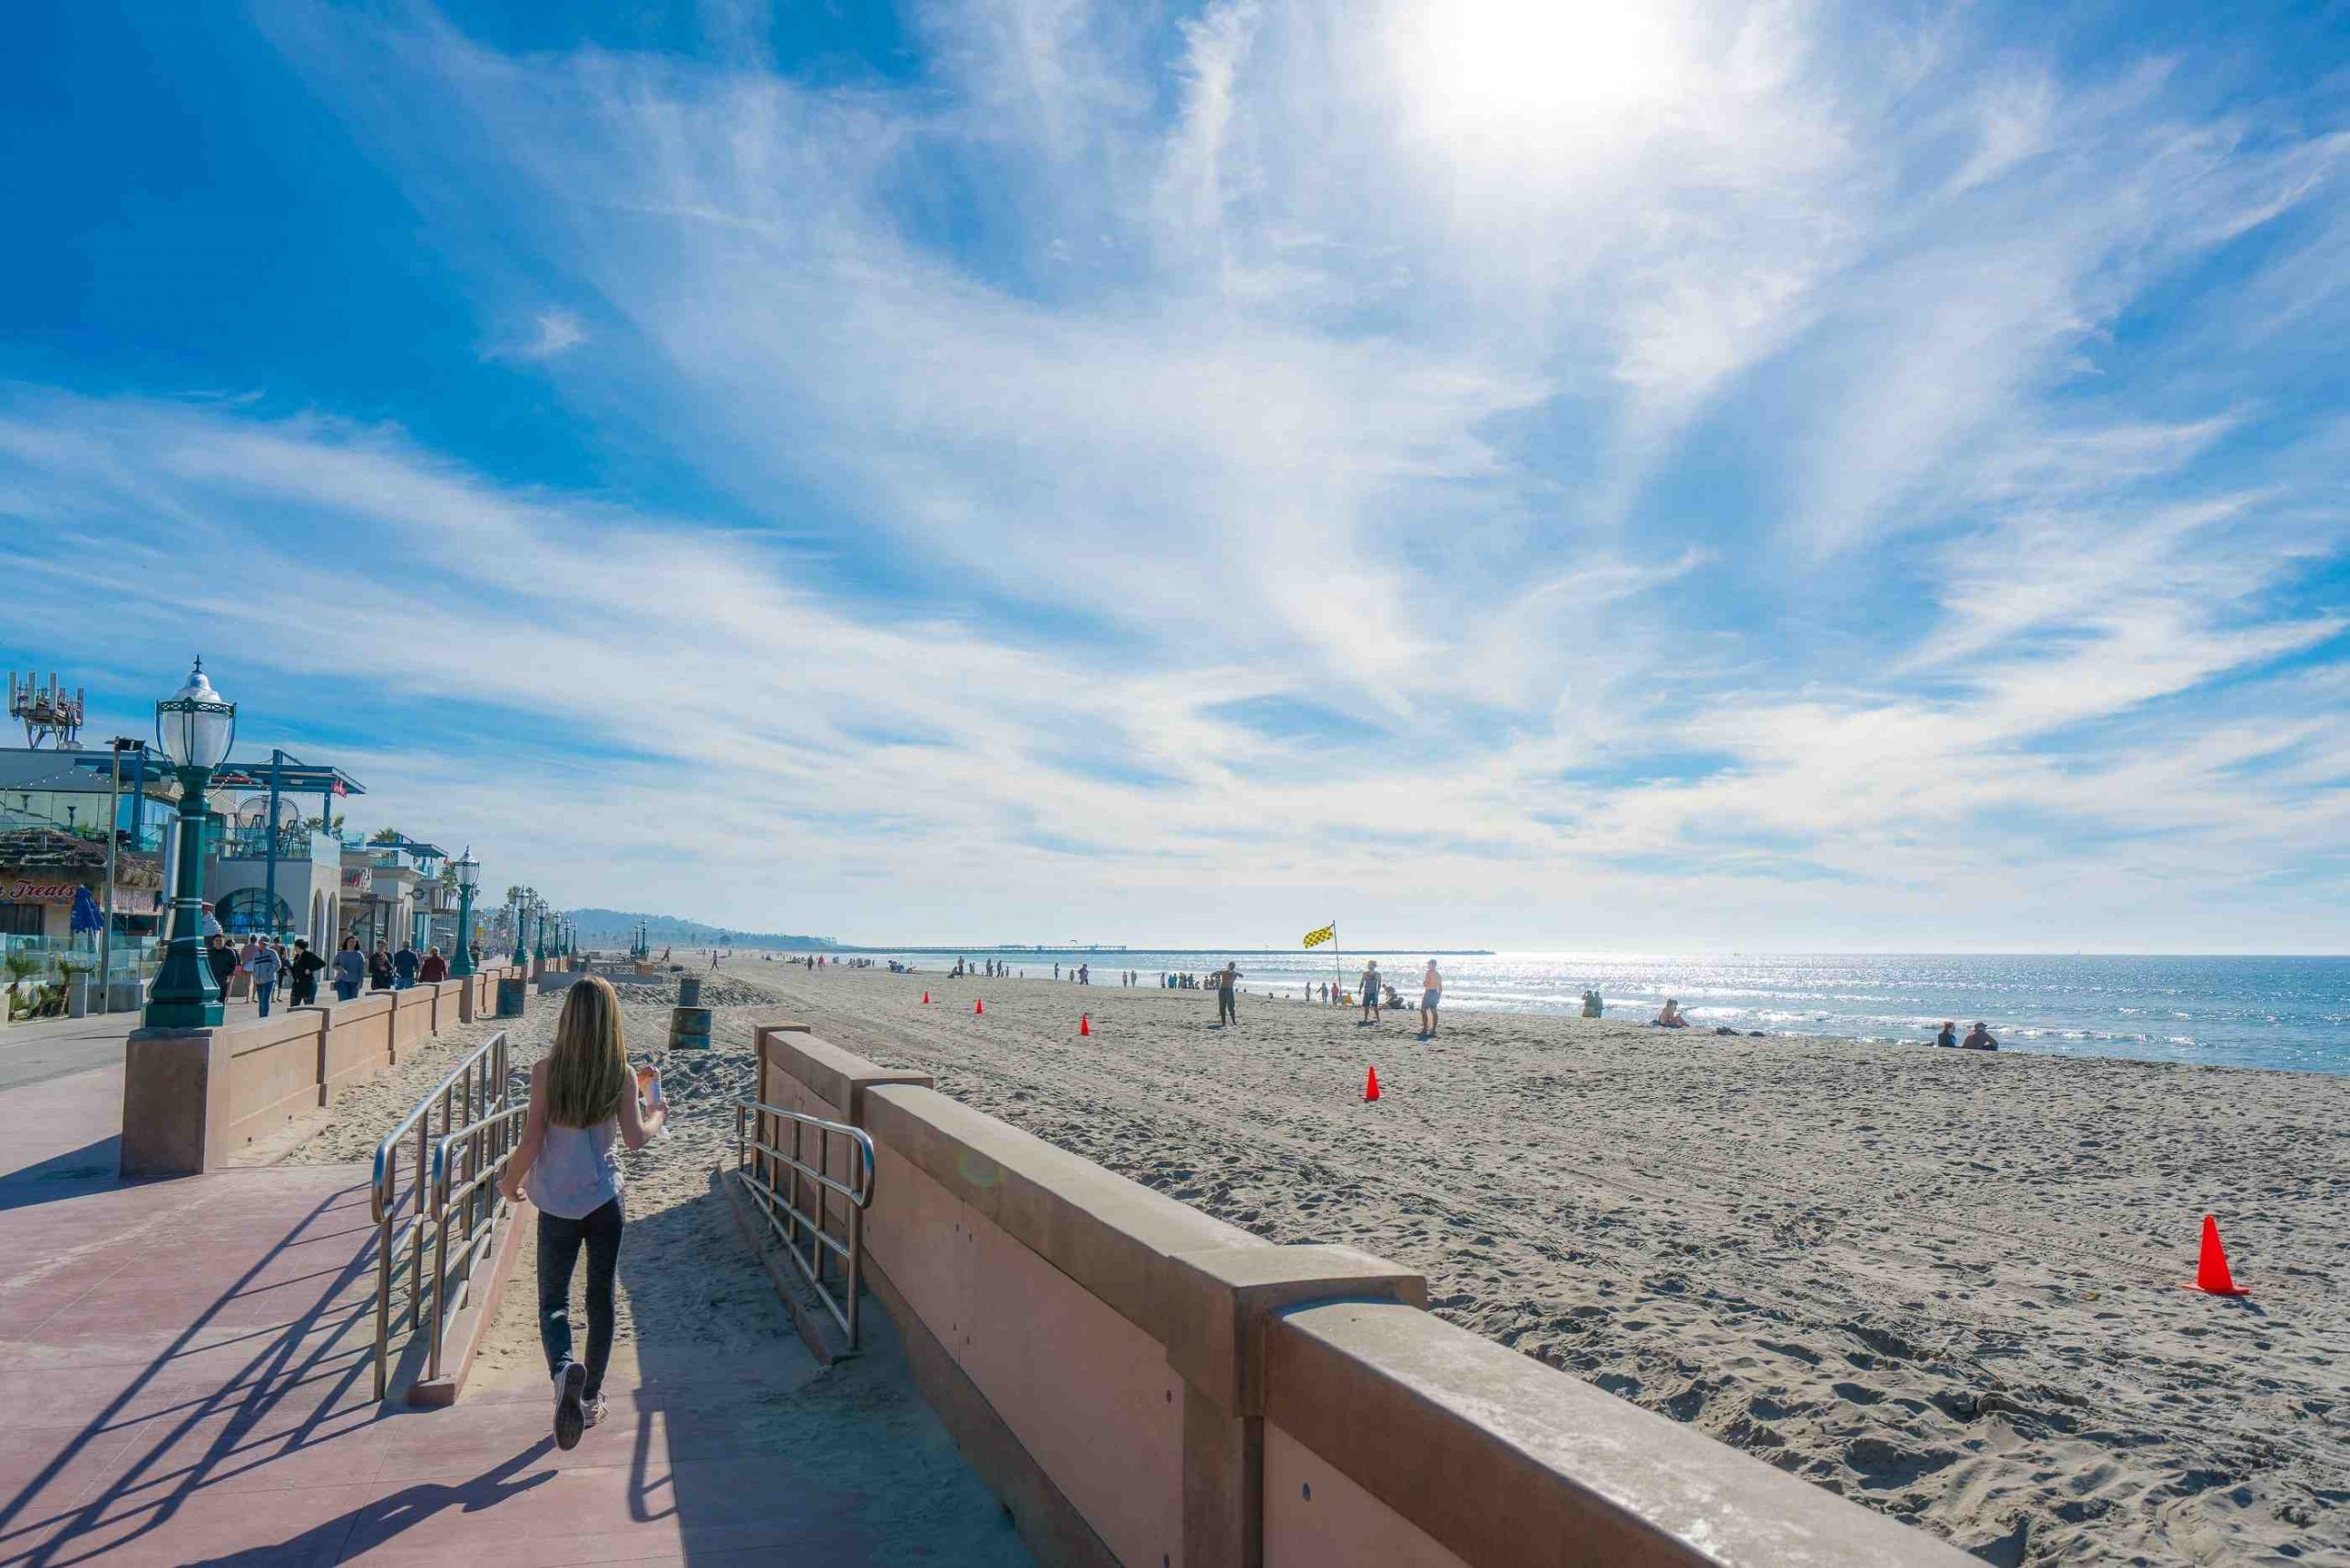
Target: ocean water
[2290,1014]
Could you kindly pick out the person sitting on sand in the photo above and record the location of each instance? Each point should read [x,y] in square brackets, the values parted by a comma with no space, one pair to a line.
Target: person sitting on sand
[583,1095]
[1370,988]
[1431,998]
[1978,1038]
[1671,1017]
[1949,1035]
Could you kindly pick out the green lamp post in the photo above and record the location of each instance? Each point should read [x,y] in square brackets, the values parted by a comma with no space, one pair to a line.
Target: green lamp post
[539,931]
[461,963]
[521,908]
[194,727]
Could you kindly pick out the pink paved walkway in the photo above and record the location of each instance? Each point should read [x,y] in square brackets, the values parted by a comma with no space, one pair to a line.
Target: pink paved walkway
[184,1365]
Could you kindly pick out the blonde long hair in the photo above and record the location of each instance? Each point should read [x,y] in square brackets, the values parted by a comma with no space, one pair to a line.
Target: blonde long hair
[587,1067]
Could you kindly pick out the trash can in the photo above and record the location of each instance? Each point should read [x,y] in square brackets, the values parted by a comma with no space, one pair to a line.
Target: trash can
[690,1028]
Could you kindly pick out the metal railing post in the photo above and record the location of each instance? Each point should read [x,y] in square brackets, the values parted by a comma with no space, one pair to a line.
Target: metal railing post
[783,1203]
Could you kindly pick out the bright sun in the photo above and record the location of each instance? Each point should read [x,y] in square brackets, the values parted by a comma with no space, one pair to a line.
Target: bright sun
[1543,70]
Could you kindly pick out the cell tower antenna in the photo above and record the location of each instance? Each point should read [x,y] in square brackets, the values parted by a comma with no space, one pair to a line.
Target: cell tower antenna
[48,713]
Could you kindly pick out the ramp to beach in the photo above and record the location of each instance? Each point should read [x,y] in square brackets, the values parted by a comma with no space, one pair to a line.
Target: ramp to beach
[189,1370]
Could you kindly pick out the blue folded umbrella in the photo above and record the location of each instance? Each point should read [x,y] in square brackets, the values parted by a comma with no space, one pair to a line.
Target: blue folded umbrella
[85,911]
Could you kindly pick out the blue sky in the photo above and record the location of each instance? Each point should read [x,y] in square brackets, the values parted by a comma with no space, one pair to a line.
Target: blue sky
[1503,474]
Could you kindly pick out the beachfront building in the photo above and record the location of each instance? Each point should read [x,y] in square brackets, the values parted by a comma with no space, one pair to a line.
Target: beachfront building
[268,867]
[296,897]
[392,891]
[55,810]
[45,872]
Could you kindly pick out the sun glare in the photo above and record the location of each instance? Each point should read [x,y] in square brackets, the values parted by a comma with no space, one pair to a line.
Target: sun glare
[1542,69]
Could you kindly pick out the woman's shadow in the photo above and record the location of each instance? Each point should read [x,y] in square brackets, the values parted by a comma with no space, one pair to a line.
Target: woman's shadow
[380,1519]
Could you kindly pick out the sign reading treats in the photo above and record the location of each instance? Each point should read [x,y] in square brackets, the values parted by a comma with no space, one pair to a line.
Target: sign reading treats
[25,890]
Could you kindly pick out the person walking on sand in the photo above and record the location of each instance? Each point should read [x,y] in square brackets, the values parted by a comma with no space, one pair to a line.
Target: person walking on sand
[1431,998]
[1591,1006]
[1370,984]
[582,1099]
[1227,980]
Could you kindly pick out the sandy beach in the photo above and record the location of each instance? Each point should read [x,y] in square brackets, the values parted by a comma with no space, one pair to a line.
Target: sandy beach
[1944,1284]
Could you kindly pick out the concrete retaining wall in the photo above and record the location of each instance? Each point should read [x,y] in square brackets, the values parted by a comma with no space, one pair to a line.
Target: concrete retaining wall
[191,1098]
[1145,1384]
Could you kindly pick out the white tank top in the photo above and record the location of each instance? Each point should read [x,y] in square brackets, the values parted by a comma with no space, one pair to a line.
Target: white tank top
[577,1171]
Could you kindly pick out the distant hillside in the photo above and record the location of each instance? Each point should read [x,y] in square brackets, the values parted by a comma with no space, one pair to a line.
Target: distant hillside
[617,927]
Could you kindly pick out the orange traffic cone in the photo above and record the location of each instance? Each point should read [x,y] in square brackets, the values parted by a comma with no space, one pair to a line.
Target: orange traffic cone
[2211,1275]
[1371,1085]
[1085,1023]
[925,998]
[977,1007]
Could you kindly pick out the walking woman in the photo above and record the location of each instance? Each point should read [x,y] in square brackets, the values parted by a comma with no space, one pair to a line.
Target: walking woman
[582,1098]
[350,970]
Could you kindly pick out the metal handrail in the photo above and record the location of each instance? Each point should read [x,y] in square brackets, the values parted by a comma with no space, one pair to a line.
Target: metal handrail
[857,1192]
[464,1162]
[478,1083]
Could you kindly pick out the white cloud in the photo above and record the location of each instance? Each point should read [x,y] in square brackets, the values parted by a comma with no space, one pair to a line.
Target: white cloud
[551,332]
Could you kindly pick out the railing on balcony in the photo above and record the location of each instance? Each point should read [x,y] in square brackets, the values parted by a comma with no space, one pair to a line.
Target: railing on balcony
[293,844]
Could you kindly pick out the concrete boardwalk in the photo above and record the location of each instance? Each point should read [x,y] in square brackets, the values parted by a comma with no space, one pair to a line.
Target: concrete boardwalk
[60,1047]
[186,1370]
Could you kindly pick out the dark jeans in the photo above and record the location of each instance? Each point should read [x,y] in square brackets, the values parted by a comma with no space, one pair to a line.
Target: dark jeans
[261,991]
[346,990]
[559,1242]
[303,992]
[1225,1012]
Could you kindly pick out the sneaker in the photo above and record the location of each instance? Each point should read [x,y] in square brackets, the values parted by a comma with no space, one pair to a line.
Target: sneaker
[570,1416]
[596,1411]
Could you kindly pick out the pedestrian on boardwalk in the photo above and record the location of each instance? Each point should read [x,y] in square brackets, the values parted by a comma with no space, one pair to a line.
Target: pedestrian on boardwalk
[303,968]
[435,969]
[222,956]
[582,1098]
[379,969]
[264,965]
[350,970]
[1226,980]
[404,964]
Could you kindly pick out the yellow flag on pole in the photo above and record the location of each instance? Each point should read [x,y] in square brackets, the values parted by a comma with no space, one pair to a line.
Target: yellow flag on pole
[1328,933]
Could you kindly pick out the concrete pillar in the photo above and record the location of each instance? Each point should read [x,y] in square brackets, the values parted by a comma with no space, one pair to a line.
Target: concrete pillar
[1217,1303]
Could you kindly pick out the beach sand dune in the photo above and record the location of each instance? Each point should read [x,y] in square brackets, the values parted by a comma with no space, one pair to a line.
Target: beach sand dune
[1943,1283]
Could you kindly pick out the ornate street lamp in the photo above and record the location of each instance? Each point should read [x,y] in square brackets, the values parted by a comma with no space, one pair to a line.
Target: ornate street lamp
[521,908]
[195,727]
[539,933]
[468,877]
